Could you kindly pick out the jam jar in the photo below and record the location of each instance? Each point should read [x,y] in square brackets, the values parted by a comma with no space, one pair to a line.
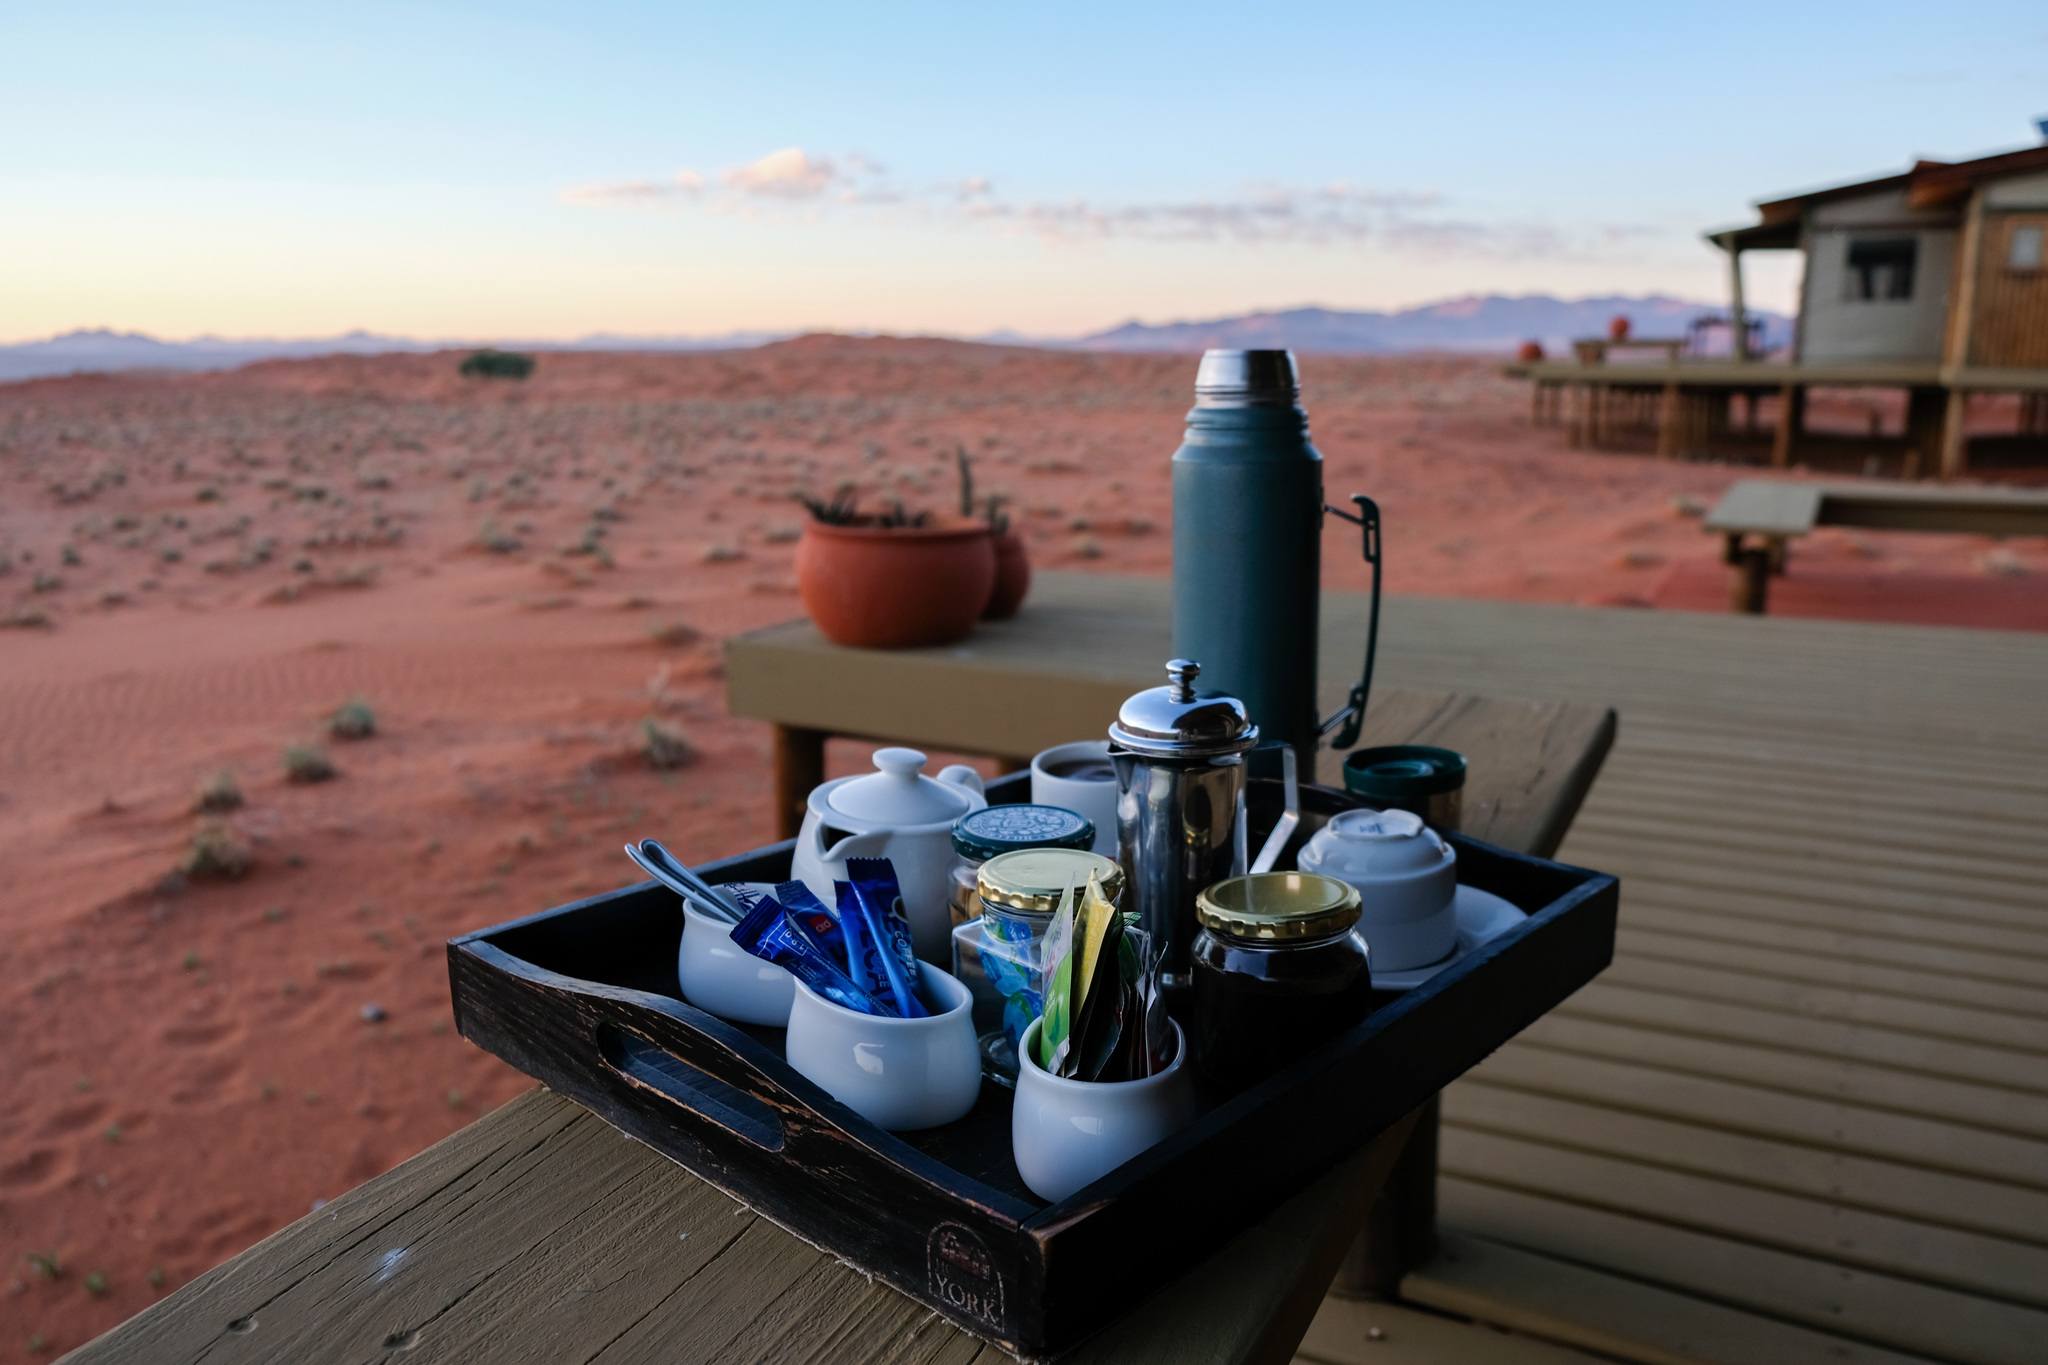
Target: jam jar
[1279,969]
[994,830]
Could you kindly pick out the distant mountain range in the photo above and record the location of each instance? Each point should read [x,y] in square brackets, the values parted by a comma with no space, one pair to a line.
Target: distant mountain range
[100,349]
[1483,322]
[1480,323]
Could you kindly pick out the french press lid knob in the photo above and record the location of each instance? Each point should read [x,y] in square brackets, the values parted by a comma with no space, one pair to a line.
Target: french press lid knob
[1177,721]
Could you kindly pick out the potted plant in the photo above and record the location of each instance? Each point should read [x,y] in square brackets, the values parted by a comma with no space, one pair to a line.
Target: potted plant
[1013,560]
[893,579]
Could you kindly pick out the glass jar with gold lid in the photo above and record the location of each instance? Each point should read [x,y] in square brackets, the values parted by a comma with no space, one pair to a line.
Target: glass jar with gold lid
[1279,969]
[999,956]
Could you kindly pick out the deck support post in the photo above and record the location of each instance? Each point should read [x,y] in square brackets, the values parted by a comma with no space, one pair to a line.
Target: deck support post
[1955,445]
[1738,332]
[1749,577]
[1926,411]
[1400,1228]
[1667,422]
[1791,423]
[797,759]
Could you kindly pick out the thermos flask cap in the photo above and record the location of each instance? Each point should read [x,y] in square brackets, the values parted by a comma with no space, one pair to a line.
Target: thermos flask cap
[1233,379]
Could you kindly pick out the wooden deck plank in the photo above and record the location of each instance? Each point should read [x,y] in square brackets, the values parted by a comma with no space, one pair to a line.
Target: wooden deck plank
[1738,808]
[1800,943]
[1799,1001]
[1623,1005]
[1851,911]
[1880,1310]
[1641,1087]
[1937,1198]
[1856,974]
[1359,1332]
[1932,872]
[1618,1315]
[1818,1229]
[1991,1108]
[1704,876]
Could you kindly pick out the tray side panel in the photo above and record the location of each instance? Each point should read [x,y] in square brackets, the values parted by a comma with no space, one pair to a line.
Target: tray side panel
[756,1135]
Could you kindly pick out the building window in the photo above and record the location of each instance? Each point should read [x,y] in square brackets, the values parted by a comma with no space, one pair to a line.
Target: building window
[2023,249]
[1881,268]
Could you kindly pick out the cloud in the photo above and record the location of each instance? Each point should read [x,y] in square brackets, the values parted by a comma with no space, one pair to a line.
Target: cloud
[629,191]
[1331,215]
[790,173]
[1335,214]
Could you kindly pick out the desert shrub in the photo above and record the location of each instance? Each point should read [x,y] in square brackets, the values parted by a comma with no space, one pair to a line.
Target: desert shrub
[496,540]
[493,364]
[219,793]
[307,763]
[676,634]
[353,719]
[664,747]
[843,509]
[215,855]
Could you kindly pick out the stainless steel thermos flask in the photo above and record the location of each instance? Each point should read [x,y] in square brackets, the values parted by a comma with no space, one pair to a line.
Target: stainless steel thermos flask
[1247,547]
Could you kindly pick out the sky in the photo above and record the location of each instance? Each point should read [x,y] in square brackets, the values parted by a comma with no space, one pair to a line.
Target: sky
[534,171]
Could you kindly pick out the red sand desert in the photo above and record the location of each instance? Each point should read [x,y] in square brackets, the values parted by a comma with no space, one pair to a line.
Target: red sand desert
[515,577]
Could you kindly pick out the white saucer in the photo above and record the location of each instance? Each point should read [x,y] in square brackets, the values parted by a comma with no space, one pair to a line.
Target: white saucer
[1481,916]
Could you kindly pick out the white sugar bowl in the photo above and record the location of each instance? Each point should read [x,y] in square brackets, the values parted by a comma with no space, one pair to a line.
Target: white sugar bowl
[1407,880]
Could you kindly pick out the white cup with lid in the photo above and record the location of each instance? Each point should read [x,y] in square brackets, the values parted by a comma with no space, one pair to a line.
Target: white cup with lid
[1407,880]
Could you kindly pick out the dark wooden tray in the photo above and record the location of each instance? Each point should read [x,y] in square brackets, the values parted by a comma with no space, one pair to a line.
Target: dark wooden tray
[584,998]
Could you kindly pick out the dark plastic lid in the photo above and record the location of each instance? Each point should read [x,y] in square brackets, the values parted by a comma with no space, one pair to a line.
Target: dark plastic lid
[1399,772]
[982,834]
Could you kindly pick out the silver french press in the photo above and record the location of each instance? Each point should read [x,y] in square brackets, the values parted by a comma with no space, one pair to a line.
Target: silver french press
[1180,771]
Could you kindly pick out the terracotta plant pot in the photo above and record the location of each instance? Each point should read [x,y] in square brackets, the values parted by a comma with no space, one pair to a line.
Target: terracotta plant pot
[1529,352]
[876,588]
[1013,577]
[1618,327]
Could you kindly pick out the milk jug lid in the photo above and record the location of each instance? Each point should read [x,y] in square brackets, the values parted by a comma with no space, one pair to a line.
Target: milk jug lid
[1176,721]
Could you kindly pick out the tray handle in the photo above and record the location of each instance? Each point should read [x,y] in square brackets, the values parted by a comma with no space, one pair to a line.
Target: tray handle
[650,1066]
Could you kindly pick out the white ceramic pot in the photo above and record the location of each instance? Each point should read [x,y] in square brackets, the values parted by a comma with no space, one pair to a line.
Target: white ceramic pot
[1066,1134]
[898,813]
[1092,797]
[717,976]
[896,1073]
[1407,880]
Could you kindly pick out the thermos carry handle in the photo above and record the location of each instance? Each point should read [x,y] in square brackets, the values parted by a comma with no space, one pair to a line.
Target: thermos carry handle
[1351,716]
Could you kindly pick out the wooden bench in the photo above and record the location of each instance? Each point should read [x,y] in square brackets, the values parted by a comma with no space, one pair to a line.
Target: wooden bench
[1595,350]
[1759,517]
